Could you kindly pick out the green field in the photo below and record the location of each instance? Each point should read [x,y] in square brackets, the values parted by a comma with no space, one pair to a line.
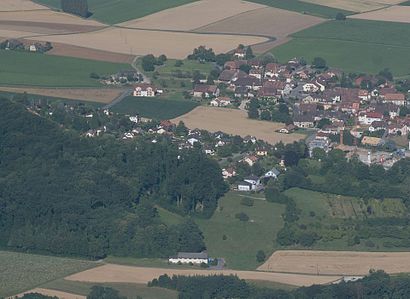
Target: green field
[353,46]
[304,7]
[339,218]
[154,108]
[243,239]
[32,69]
[112,12]
[128,290]
[20,272]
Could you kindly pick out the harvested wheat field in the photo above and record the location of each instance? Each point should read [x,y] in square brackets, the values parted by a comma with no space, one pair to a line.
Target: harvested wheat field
[235,122]
[60,49]
[15,5]
[142,275]
[193,15]
[140,42]
[268,21]
[53,293]
[101,95]
[390,14]
[356,5]
[336,262]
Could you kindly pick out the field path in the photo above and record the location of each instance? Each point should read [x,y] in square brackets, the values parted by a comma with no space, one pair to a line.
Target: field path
[128,274]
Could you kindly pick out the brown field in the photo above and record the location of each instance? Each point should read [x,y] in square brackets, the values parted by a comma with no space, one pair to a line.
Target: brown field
[48,292]
[356,5]
[390,14]
[271,22]
[235,122]
[336,262]
[102,95]
[127,274]
[13,5]
[45,28]
[193,15]
[141,42]
[60,49]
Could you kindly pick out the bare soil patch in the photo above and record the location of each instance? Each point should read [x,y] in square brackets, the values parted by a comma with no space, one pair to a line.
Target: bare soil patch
[60,49]
[193,15]
[355,5]
[101,95]
[48,292]
[141,42]
[266,21]
[235,122]
[15,5]
[336,262]
[390,14]
[128,274]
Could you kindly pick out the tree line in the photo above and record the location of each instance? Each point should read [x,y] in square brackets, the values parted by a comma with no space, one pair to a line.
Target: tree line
[63,194]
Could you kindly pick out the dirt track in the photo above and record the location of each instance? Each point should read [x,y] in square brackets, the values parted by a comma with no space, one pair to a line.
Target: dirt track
[336,262]
[128,274]
[236,122]
[101,95]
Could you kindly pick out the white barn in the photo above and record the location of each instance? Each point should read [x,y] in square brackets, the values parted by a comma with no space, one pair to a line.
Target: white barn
[190,257]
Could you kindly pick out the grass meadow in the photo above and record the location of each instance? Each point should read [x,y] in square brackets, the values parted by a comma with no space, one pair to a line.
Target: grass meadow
[21,272]
[353,46]
[155,108]
[304,7]
[113,12]
[34,69]
[243,239]
[129,290]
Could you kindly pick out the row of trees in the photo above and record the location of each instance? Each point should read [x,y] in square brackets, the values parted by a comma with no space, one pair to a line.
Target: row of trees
[377,285]
[63,194]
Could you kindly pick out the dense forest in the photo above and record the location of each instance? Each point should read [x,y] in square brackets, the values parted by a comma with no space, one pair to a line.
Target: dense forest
[65,194]
[377,285]
[76,7]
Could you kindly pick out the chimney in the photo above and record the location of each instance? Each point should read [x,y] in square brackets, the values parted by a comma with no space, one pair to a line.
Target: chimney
[369,158]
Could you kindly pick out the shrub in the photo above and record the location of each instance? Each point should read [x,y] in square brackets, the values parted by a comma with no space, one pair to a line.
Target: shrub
[260,256]
[340,17]
[242,217]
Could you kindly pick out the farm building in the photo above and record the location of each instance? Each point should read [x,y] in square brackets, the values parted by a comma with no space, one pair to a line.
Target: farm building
[190,257]
[144,90]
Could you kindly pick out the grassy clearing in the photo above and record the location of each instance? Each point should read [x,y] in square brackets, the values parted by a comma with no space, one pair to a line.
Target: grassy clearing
[112,12]
[128,290]
[33,69]
[304,7]
[243,239]
[168,217]
[354,46]
[21,272]
[154,108]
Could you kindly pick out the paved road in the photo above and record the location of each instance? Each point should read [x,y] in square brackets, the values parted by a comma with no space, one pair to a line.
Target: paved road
[118,99]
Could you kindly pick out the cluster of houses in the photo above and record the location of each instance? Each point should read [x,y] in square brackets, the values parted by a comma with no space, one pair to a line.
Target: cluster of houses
[23,45]
[121,78]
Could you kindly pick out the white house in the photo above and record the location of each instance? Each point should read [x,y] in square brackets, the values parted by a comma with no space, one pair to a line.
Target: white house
[144,90]
[367,118]
[244,186]
[310,87]
[273,173]
[189,257]
[192,141]
[251,183]
[228,172]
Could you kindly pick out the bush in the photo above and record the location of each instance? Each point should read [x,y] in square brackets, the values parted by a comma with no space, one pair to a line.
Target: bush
[224,237]
[340,17]
[369,243]
[246,201]
[260,256]
[179,63]
[242,217]
[94,76]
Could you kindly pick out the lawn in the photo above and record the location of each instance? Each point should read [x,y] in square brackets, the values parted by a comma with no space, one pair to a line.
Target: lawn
[304,7]
[353,46]
[243,239]
[154,108]
[113,12]
[128,290]
[33,69]
[21,272]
